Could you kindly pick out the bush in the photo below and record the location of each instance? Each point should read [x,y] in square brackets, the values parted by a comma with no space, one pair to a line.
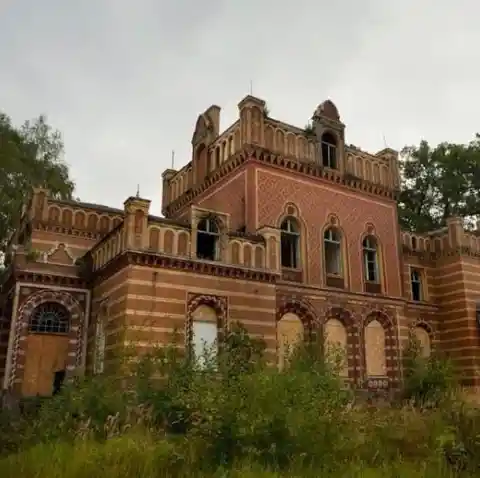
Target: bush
[427,379]
[236,416]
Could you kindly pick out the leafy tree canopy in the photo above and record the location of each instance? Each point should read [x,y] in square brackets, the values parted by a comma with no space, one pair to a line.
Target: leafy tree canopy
[439,182]
[30,156]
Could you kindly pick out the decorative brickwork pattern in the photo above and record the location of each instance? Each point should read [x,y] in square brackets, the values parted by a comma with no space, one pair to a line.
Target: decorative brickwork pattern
[75,349]
[315,203]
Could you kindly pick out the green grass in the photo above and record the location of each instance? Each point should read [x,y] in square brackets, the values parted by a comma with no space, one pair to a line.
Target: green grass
[242,418]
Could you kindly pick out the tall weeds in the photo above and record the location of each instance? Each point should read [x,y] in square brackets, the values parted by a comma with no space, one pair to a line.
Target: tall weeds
[234,415]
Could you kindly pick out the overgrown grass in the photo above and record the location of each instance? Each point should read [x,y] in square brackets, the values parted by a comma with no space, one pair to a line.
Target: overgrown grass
[236,416]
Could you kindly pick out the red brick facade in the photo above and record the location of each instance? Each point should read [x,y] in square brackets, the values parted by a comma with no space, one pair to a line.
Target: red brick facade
[126,277]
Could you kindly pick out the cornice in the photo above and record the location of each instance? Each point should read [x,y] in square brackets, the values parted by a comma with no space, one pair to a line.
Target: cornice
[160,261]
[264,156]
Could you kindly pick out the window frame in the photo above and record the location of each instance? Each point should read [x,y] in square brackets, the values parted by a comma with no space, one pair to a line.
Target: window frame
[337,242]
[291,231]
[419,282]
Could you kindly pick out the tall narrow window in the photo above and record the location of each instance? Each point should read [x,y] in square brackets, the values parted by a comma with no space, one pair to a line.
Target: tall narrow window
[290,243]
[204,339]
[370,258]
[329,151]
[416,282]
[208,239]
[333,252]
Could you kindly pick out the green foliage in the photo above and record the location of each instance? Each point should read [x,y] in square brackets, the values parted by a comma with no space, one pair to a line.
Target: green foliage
[309,130]
[427,379]
[233,416]
[29,156]
[439,182]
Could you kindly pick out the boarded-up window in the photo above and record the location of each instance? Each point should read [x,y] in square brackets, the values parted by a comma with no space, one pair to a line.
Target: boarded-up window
[376,361]
[289,334]
[336,344]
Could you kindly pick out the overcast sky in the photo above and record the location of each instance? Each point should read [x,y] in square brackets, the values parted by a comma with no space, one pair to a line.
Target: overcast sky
[124,80]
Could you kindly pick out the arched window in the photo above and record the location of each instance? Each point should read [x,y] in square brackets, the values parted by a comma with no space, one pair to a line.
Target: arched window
[332,246]
[370,259]
[290,243]
[290,334]
[208,239]
[336,344]
[50,318]
[329,151]
[416,283]
[204,339]
[375,356]
[423,339]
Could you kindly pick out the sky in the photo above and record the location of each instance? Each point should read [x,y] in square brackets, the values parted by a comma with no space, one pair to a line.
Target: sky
[124,81]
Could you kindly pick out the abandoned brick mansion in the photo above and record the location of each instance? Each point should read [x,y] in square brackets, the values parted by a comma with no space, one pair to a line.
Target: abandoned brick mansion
[289,231]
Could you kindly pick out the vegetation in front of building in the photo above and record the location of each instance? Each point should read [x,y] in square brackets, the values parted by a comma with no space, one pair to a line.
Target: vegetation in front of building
[238,416]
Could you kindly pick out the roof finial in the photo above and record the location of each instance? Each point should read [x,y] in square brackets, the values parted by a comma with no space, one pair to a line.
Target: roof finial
[138,190]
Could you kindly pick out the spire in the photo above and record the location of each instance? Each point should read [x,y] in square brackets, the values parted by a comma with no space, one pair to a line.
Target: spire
[138,190]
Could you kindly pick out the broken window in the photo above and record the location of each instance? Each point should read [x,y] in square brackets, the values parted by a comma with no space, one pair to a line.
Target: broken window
[329,151]
[208,239]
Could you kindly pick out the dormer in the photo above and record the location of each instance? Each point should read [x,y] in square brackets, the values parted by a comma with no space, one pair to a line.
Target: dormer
[330,133]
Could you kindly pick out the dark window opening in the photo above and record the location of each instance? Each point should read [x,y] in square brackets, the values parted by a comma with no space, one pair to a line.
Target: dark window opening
[414,243]
[370,257]
[50,318]
[289,244]
[207,239]
[329,151]
[333,252]
[416,281]
[58,379]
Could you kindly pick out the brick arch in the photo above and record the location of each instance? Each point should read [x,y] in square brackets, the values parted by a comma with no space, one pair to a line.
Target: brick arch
[346,317]
[75,333]
[422,324]
[217,303]
[305,313]
[391,344]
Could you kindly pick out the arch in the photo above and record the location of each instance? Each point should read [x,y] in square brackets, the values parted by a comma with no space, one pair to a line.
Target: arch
[235,252]
[49,318]
[168,239]
[379,345]
[182,247]
[290,243]
[92,222]
[67,217]
[279,141]
[54,214]
[75,333]
[423,335]
[247,255]
[328,110]
[79,220]
[259,257]
[216,303]
[290,333]
[329,149]
[104,223]
[116,221]
[154,238]
[304,311]
[336,338]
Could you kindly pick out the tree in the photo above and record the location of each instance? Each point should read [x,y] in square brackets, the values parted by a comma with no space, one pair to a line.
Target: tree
[29,156]
[439,182]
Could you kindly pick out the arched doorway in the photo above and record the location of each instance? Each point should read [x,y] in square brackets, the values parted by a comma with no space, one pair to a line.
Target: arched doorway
[46,350]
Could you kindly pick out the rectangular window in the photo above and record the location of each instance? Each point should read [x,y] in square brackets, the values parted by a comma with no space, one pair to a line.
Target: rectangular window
[204,342]
[333,263]
[371,269]
[417,286]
